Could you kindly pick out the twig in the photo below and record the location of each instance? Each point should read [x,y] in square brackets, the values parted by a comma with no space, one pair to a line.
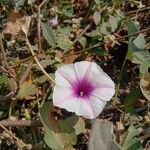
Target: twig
[97,45]
[83,50]
[3,51]
[144,137]
[6,97]
[138,10]
[20,143]
[36,60]
[87,27]
[20,123]
[39,24]
[142,31]
[117,108]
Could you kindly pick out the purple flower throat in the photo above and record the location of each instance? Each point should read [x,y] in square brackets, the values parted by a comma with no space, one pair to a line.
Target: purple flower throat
[82,88]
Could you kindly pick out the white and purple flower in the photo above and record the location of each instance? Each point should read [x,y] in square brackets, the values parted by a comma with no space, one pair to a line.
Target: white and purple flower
[82,88]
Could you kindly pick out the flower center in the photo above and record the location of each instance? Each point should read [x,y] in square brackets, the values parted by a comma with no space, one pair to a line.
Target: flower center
[81,93]
[82,88]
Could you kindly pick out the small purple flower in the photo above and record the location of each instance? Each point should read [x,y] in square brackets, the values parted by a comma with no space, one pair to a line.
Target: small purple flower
[53,22]
[82,88]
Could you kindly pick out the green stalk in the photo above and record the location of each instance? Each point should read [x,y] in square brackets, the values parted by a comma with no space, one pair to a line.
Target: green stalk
[119,80]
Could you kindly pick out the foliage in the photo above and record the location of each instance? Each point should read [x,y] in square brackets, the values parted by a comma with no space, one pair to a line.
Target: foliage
[102,136]
[112,33]
[49,34]
[3,83]
[130,141]
[63,133]
[130,101]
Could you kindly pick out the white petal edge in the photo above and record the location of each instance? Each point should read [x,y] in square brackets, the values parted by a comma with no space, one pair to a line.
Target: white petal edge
[65,75]
[82,68]
[99,78]
[69,105]
[104,93]
[61,95]
[83,108]
[97,105]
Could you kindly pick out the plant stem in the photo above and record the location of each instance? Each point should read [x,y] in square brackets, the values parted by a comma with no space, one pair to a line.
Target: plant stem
[129,35]
[21,144]
[20,123]
[38,63]
[79,36]
[120,78]
[39,24]
[138,10]
[83,50]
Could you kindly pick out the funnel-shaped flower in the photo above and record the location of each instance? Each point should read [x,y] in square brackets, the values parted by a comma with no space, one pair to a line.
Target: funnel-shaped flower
[82,88]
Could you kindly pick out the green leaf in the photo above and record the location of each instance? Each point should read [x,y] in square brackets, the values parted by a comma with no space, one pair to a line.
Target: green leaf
[102,136]
[64,43]
[1,113]
[68,10]
[51,139]
[65,31]
[63,40]
[104,28]
[99,51]
[67,139]
[137,43]
[79,126]
[97,1]
[44,78]
[49,34]
[129,54]
[130,142]
[72,124]
[19,3]
[113,23]
[130,101]
[64,126]
[97,17]
[31,2]
[145,85]
[45,114]
[140,57]
[137,56]
[131,27]
[140,42]
[82,41]
[60,139]
[28,88]
[144,67]
[3,80]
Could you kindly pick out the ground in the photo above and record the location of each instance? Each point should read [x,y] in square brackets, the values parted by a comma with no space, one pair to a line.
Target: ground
[114,34]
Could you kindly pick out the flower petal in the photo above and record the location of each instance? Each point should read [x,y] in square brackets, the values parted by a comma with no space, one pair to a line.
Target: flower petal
[69,104]
[82,68]
[83,108]
[65,75]
[103,93]
[99,78]
[61,95]
[97,105]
